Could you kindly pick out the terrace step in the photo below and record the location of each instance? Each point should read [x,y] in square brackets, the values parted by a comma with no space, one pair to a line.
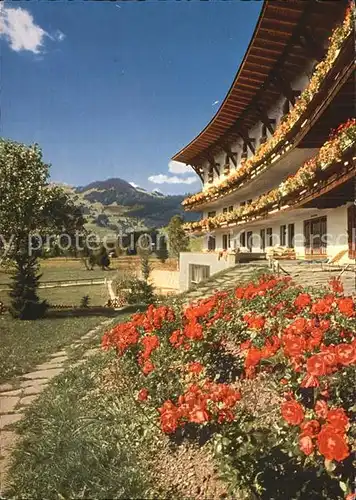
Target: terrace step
[304,274]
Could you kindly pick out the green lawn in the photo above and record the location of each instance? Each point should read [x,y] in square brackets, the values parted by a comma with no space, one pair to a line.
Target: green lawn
[83,439]
[72,295]
[56,270]
[69,296]
[27,343]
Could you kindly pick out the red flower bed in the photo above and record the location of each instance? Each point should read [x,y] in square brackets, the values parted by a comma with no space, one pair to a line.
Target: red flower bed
[303,338]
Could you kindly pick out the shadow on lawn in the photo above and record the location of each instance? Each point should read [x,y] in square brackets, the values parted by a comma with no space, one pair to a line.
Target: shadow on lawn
[92,311]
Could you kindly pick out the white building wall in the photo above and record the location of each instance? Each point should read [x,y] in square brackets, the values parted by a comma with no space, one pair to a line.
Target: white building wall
[337,237]
[216,264]
[275,112]
[337,240]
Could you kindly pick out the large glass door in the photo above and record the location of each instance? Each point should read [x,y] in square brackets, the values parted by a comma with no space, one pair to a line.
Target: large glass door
[249,240]
[315,240]
[351,229]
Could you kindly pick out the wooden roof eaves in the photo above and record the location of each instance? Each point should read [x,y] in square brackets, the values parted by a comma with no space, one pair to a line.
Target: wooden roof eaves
[183,154]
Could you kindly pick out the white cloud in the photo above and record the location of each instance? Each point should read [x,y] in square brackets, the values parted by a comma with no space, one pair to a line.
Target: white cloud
[171,179]
[176,167]
[133,184]
[17,26]
[59,36]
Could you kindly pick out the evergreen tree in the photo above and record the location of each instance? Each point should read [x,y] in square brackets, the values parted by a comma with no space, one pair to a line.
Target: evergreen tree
[145,266]
[177,238]
[103,259]
[162,250]
[25,303]
[141,290]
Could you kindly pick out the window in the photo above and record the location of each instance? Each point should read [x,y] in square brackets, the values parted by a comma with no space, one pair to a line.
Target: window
[351,231]
[269,237]
[282,235]
[231,208]
[263,239]
[211,214]
[225,210]
[243,239]
[315,236]
[211,243]
[290,235]
[226,240]
[198,273]
[249,202]
[249,237]
[243,203]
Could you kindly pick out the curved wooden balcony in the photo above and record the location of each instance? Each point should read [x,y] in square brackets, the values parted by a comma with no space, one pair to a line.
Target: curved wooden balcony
[343,67]
[336,173]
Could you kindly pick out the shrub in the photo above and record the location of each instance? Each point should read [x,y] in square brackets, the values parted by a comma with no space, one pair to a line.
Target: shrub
[84,302]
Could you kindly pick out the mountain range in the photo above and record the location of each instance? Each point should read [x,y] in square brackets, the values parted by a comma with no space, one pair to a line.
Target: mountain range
[115,204]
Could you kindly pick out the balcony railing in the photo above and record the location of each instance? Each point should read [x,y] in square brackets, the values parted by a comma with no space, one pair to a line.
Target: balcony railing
[309,180]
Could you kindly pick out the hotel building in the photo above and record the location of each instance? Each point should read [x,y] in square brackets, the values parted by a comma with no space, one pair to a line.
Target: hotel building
[277,161]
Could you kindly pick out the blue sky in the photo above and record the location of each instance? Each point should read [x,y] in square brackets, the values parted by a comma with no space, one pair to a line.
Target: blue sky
[114,90]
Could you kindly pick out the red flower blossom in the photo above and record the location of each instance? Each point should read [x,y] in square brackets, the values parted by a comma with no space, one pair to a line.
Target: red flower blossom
[193,331]
[142,395]
[150,343]
[321,307]
[292,412]
[298,326]
[303,300]
[198,415]
[336,285]
[195,367]
[351,496]
[346,306]
[253,357]
[309,381]
[346,354]
[332,445]
[176,338]
[293,345]
[321,408]
[338,419]
[306,445]
[169,421]
[255,322]
[316,365]
[147,367]
[310,428]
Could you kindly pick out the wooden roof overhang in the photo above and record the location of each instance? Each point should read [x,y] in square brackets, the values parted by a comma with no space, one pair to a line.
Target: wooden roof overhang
[286,36]
[332,105]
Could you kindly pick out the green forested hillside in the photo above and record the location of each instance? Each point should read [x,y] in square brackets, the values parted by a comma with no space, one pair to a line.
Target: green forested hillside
[114,204]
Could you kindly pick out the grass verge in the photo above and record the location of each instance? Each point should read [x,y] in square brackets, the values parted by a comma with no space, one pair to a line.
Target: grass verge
[27,343]
[83,440]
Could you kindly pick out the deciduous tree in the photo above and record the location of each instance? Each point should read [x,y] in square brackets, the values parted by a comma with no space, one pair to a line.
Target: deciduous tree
[30,208]
[177,238]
